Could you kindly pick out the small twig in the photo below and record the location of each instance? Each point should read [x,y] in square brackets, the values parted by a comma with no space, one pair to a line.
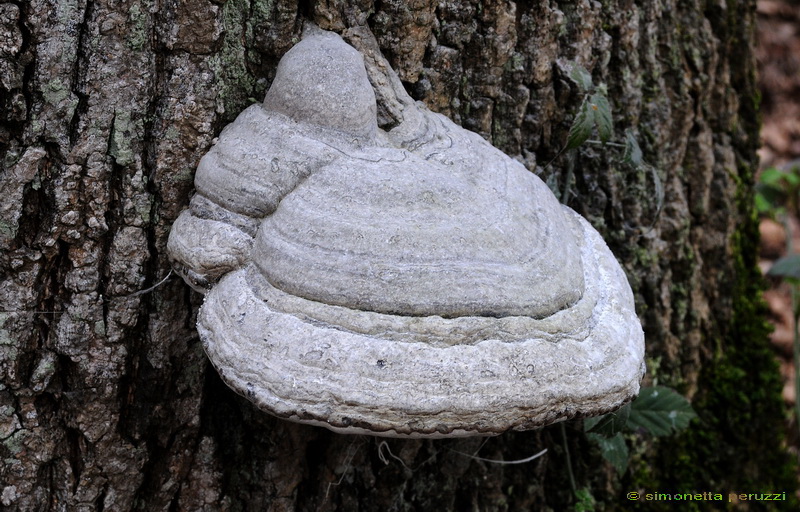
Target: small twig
[495,461]
[147,290]
[384,445]
[134,294]
[560,152]
[351,453]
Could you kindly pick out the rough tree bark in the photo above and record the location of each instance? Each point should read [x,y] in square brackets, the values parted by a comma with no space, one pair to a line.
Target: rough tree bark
[106,399]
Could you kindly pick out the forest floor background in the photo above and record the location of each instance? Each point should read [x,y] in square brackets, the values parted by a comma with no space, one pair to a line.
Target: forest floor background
[778,56]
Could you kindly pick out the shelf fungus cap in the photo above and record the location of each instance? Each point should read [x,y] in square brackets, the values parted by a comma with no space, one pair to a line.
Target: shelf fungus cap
[413,281]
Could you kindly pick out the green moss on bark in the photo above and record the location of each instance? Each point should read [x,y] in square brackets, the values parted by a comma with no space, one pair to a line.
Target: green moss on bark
[233,79]
[739,404]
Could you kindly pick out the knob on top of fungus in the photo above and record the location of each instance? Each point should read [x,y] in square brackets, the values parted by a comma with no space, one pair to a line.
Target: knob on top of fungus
[408,282]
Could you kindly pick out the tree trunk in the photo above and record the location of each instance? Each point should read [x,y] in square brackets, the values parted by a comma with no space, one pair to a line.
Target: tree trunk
[107,401]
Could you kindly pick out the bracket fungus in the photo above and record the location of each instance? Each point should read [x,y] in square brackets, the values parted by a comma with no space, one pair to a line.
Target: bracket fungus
[403,280]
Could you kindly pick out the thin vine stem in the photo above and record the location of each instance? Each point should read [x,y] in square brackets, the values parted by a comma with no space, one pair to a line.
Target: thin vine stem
[607,143]
[569,459]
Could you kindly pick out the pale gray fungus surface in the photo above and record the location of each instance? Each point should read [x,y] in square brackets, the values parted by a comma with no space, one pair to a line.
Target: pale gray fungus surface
[407,281]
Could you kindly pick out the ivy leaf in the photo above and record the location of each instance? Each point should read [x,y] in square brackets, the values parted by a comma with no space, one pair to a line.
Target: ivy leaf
[581,127]
[660,411]
[788,266]
[581,77]
[614,450]
[633,153]
[601,111]
[608,424]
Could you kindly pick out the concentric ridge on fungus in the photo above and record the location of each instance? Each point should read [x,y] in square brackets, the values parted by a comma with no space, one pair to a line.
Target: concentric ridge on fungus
[413,281]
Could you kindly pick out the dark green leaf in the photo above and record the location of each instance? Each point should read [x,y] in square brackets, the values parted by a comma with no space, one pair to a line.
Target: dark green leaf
[581,77]
[585,501]
[771,195]
[771,176]
[787,181]
[763,206]
[608,424]
[788,266]
[601,110]
[614,450]
[660,411]
[633,153]
[581,127]
[792,178]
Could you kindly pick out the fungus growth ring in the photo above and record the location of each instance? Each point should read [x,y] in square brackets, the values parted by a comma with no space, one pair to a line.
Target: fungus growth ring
[406,279]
